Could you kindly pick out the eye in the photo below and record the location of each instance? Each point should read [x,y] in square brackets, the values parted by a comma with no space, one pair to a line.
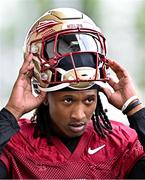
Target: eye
[90,100]
[68,100]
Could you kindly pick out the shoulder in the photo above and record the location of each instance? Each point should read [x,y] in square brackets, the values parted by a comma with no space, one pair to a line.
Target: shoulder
[123,131]
[121,142]
[119,130]
[121,135]
[124,137]
[25,137]
[24,134]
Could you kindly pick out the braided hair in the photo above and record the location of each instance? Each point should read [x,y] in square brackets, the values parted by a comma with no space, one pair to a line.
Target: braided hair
[100,120]
[40,118]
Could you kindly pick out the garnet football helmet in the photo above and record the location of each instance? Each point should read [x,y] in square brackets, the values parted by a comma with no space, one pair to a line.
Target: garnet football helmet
[68,51]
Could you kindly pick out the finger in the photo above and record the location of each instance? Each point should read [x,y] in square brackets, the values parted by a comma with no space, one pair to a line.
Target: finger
[119,70]
[26,64]
[112,83]
[41,97]
[30,71]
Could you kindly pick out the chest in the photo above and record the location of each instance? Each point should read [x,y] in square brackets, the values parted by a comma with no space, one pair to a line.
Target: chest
[91,159]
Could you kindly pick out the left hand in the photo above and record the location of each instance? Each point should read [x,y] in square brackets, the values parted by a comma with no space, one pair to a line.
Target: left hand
[123,89]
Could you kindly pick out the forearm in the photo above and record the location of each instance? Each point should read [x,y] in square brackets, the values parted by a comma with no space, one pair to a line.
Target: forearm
[8,127]
[137,122]
[138,170]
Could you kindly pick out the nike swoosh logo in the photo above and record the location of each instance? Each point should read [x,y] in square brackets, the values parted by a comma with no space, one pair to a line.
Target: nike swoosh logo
[93,151]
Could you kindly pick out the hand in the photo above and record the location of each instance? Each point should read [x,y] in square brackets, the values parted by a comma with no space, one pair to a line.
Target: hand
[123,89]
[22,100]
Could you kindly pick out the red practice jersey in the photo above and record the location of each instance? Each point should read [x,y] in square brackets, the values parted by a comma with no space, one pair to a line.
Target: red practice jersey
[112,157]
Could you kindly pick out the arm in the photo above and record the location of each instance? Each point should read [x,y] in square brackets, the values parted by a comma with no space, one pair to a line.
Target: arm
[137,122]
[8,127]
[3,171]
[123,89]
[21,101]
[138,170]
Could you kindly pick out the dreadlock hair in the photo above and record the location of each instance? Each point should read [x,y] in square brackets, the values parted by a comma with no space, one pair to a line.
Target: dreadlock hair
[42,118]
[100,120]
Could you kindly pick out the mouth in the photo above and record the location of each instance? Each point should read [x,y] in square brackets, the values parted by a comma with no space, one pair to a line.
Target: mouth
[77,127]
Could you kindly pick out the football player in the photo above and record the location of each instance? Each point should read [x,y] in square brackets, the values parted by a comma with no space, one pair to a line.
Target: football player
[70,136]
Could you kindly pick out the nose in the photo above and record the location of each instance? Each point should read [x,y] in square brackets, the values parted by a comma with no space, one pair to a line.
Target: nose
[78,113]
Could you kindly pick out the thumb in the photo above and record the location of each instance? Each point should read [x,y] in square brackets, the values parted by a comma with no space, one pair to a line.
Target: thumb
[41,97]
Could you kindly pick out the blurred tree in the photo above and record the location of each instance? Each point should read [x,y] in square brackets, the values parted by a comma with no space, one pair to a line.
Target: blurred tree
[92,9]
[8,35]
[44,5]
[140,26]
[140,22]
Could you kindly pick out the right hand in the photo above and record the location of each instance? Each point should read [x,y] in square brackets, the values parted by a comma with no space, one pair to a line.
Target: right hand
[123,89]
[22,100]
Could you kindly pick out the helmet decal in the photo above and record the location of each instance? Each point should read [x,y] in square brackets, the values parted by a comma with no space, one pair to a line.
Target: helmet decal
[44,25]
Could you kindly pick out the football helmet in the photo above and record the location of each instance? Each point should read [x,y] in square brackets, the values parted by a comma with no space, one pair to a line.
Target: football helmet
[68,50]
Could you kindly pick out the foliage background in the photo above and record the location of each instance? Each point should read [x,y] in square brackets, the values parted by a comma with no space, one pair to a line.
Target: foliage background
[121,21]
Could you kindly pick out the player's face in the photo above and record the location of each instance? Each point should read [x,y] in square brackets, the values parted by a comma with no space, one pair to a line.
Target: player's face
[70,111]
